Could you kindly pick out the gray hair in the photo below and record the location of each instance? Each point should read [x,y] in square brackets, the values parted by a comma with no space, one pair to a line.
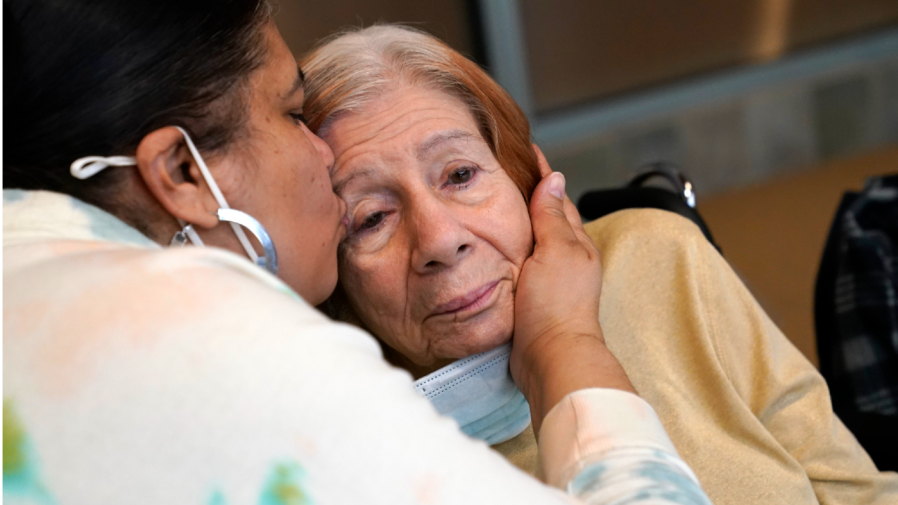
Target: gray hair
[350,69]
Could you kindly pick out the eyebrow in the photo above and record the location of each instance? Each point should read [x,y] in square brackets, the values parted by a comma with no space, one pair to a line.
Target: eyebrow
[298,83]
[432,142]
[440,138]
[338,188]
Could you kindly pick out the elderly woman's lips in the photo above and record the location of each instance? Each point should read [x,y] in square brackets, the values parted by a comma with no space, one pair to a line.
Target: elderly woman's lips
[474,299]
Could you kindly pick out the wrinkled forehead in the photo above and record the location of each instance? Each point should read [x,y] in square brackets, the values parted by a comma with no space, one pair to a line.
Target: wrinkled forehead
[408,124]
[373,166]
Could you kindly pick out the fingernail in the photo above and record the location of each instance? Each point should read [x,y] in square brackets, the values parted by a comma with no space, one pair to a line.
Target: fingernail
[556,185]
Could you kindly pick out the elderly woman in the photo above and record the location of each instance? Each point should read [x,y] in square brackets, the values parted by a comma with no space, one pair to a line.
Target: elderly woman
[138,371]
[434,161]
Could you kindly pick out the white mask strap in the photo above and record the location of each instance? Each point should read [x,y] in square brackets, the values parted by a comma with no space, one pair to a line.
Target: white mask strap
[241,235]
[88,166]
[190,233]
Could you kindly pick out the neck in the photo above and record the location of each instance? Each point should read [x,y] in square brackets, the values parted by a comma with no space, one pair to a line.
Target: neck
[398,360]
[136,205]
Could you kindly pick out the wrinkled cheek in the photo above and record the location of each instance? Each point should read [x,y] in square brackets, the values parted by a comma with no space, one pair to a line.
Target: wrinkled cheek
[353,286]
[400,330]
[520,244]
[369,295]
[516,228]
[524,233]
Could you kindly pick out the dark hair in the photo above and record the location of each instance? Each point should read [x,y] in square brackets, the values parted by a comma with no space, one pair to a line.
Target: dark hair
[93,77]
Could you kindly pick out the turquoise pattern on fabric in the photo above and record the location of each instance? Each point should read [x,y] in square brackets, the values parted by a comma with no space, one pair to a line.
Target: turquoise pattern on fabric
[105,226]
[13,195]
[287,290]
[24,484]
[283,486]
[671,486]
[660,472]
[657,480]
[587,478]
[217,498]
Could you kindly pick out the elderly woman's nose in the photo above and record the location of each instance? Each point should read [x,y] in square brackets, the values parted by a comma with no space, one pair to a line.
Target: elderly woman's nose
[439,239]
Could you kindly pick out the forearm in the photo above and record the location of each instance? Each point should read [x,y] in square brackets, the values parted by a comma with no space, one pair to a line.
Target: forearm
[598,440]
[562,365]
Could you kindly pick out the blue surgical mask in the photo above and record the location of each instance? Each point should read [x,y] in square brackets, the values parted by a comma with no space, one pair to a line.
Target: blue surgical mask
[480,395]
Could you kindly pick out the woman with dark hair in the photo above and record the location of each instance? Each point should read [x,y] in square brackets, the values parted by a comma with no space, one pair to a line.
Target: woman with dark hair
[139,371]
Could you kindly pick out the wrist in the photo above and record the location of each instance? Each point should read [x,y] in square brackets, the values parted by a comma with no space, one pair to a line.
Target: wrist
[552,368]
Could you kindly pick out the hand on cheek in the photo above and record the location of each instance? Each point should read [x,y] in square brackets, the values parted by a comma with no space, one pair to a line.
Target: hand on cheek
[558,344]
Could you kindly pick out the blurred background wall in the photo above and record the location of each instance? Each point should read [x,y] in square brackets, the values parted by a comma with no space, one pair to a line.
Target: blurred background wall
[772,107]
[304,22]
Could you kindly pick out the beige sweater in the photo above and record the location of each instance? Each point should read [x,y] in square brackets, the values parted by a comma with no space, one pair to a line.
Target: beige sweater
[742,405]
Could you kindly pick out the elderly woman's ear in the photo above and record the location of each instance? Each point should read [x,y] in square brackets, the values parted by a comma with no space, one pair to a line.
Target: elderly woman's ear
[174,179]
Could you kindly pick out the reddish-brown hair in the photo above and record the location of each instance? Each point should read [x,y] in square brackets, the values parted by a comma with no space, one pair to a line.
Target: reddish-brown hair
[347,71]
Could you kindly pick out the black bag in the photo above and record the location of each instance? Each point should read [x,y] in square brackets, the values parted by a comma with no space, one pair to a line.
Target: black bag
[598,203]
[856,317]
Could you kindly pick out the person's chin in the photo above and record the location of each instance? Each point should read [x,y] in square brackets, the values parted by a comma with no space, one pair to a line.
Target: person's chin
[478,333]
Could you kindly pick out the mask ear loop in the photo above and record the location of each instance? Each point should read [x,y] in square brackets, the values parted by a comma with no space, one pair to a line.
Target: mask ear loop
[88,166]
[270,260]
[219,197]
[184,234]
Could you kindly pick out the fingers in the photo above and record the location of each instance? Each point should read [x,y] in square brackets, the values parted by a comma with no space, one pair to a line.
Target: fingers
[573,217]
[570,210]
[547,214]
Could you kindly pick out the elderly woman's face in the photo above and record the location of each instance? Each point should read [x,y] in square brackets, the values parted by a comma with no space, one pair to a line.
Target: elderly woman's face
[438,232]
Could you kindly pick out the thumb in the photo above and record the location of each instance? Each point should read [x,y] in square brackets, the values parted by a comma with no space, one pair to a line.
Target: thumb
[550,224]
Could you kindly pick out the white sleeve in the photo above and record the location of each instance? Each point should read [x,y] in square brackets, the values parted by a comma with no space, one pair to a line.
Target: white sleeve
[225,391]
[609,446]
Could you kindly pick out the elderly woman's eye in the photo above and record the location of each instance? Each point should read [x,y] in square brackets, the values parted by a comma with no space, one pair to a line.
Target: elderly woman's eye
[372,220]
[461,176]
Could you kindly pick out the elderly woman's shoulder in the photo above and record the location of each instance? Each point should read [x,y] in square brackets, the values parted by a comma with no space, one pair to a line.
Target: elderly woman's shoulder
[650,227]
